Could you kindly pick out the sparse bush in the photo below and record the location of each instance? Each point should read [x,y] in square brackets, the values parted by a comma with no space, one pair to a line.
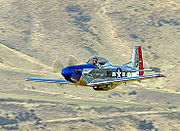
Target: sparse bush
[168,102]
[133,36]
[156,56]
[10,127]
[90,49]
[1,60]
[82,18]
[172,107]
[26,32]
[142,40]
[115,94]
[132,93]
[149,47]
[73,8]
[6,121]
[32,110]
[81,21]
[30,101]
[107,109]
[83,120]
[10,100]
[144,125]
[37,122]
[25,116]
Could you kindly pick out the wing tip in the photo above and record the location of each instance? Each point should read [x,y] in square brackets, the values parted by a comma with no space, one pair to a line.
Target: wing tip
[31,79]
[161,75]
[27,79]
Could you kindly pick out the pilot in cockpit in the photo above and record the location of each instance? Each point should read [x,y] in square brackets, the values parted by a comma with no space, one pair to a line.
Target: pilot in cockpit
[95,62]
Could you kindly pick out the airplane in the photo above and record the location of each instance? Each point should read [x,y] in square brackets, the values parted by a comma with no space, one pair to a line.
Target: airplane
[99,74]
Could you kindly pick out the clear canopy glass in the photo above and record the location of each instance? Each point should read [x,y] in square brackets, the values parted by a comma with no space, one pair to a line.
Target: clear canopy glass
[100,60]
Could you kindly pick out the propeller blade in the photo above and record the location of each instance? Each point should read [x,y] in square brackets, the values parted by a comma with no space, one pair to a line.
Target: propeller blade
[69,60]
[73,60]
[57,65]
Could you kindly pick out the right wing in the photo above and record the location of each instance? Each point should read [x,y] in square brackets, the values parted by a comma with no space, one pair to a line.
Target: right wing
[122,80]
[48,80]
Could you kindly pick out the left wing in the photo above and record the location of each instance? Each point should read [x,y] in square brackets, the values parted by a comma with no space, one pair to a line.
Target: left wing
[122,80]
[48,80]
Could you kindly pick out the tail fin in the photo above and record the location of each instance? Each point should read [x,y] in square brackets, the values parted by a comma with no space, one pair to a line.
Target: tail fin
[137,60]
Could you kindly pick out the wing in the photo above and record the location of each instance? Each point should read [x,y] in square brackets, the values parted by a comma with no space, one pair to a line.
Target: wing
[48,80]
[122,80]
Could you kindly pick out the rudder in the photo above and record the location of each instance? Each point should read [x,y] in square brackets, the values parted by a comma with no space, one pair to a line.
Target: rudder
[137,60]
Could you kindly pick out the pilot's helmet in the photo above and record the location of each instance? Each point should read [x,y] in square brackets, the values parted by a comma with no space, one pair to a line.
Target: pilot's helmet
[95,60]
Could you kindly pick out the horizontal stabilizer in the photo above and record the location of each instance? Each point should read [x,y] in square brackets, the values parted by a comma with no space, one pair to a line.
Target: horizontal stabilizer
[48,80]
[147,70]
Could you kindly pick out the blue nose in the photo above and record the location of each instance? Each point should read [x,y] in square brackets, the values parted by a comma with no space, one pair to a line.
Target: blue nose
[71,74]
[66,72]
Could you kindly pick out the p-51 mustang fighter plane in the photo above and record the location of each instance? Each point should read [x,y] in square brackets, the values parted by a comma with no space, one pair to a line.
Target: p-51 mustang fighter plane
[101,75]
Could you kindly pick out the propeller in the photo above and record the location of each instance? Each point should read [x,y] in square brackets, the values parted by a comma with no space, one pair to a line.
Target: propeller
[58,64]
[73,60]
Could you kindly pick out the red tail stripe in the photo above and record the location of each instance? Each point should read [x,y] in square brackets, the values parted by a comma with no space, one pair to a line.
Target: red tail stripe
[141,73]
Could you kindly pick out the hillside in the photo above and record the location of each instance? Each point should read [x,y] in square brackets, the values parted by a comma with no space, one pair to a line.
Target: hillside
[34,33]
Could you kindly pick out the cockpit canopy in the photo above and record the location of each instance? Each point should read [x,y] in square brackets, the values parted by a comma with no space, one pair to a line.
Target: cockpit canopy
[100,60]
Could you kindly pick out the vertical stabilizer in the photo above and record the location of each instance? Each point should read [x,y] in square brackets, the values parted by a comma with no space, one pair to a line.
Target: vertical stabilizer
[137,60]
